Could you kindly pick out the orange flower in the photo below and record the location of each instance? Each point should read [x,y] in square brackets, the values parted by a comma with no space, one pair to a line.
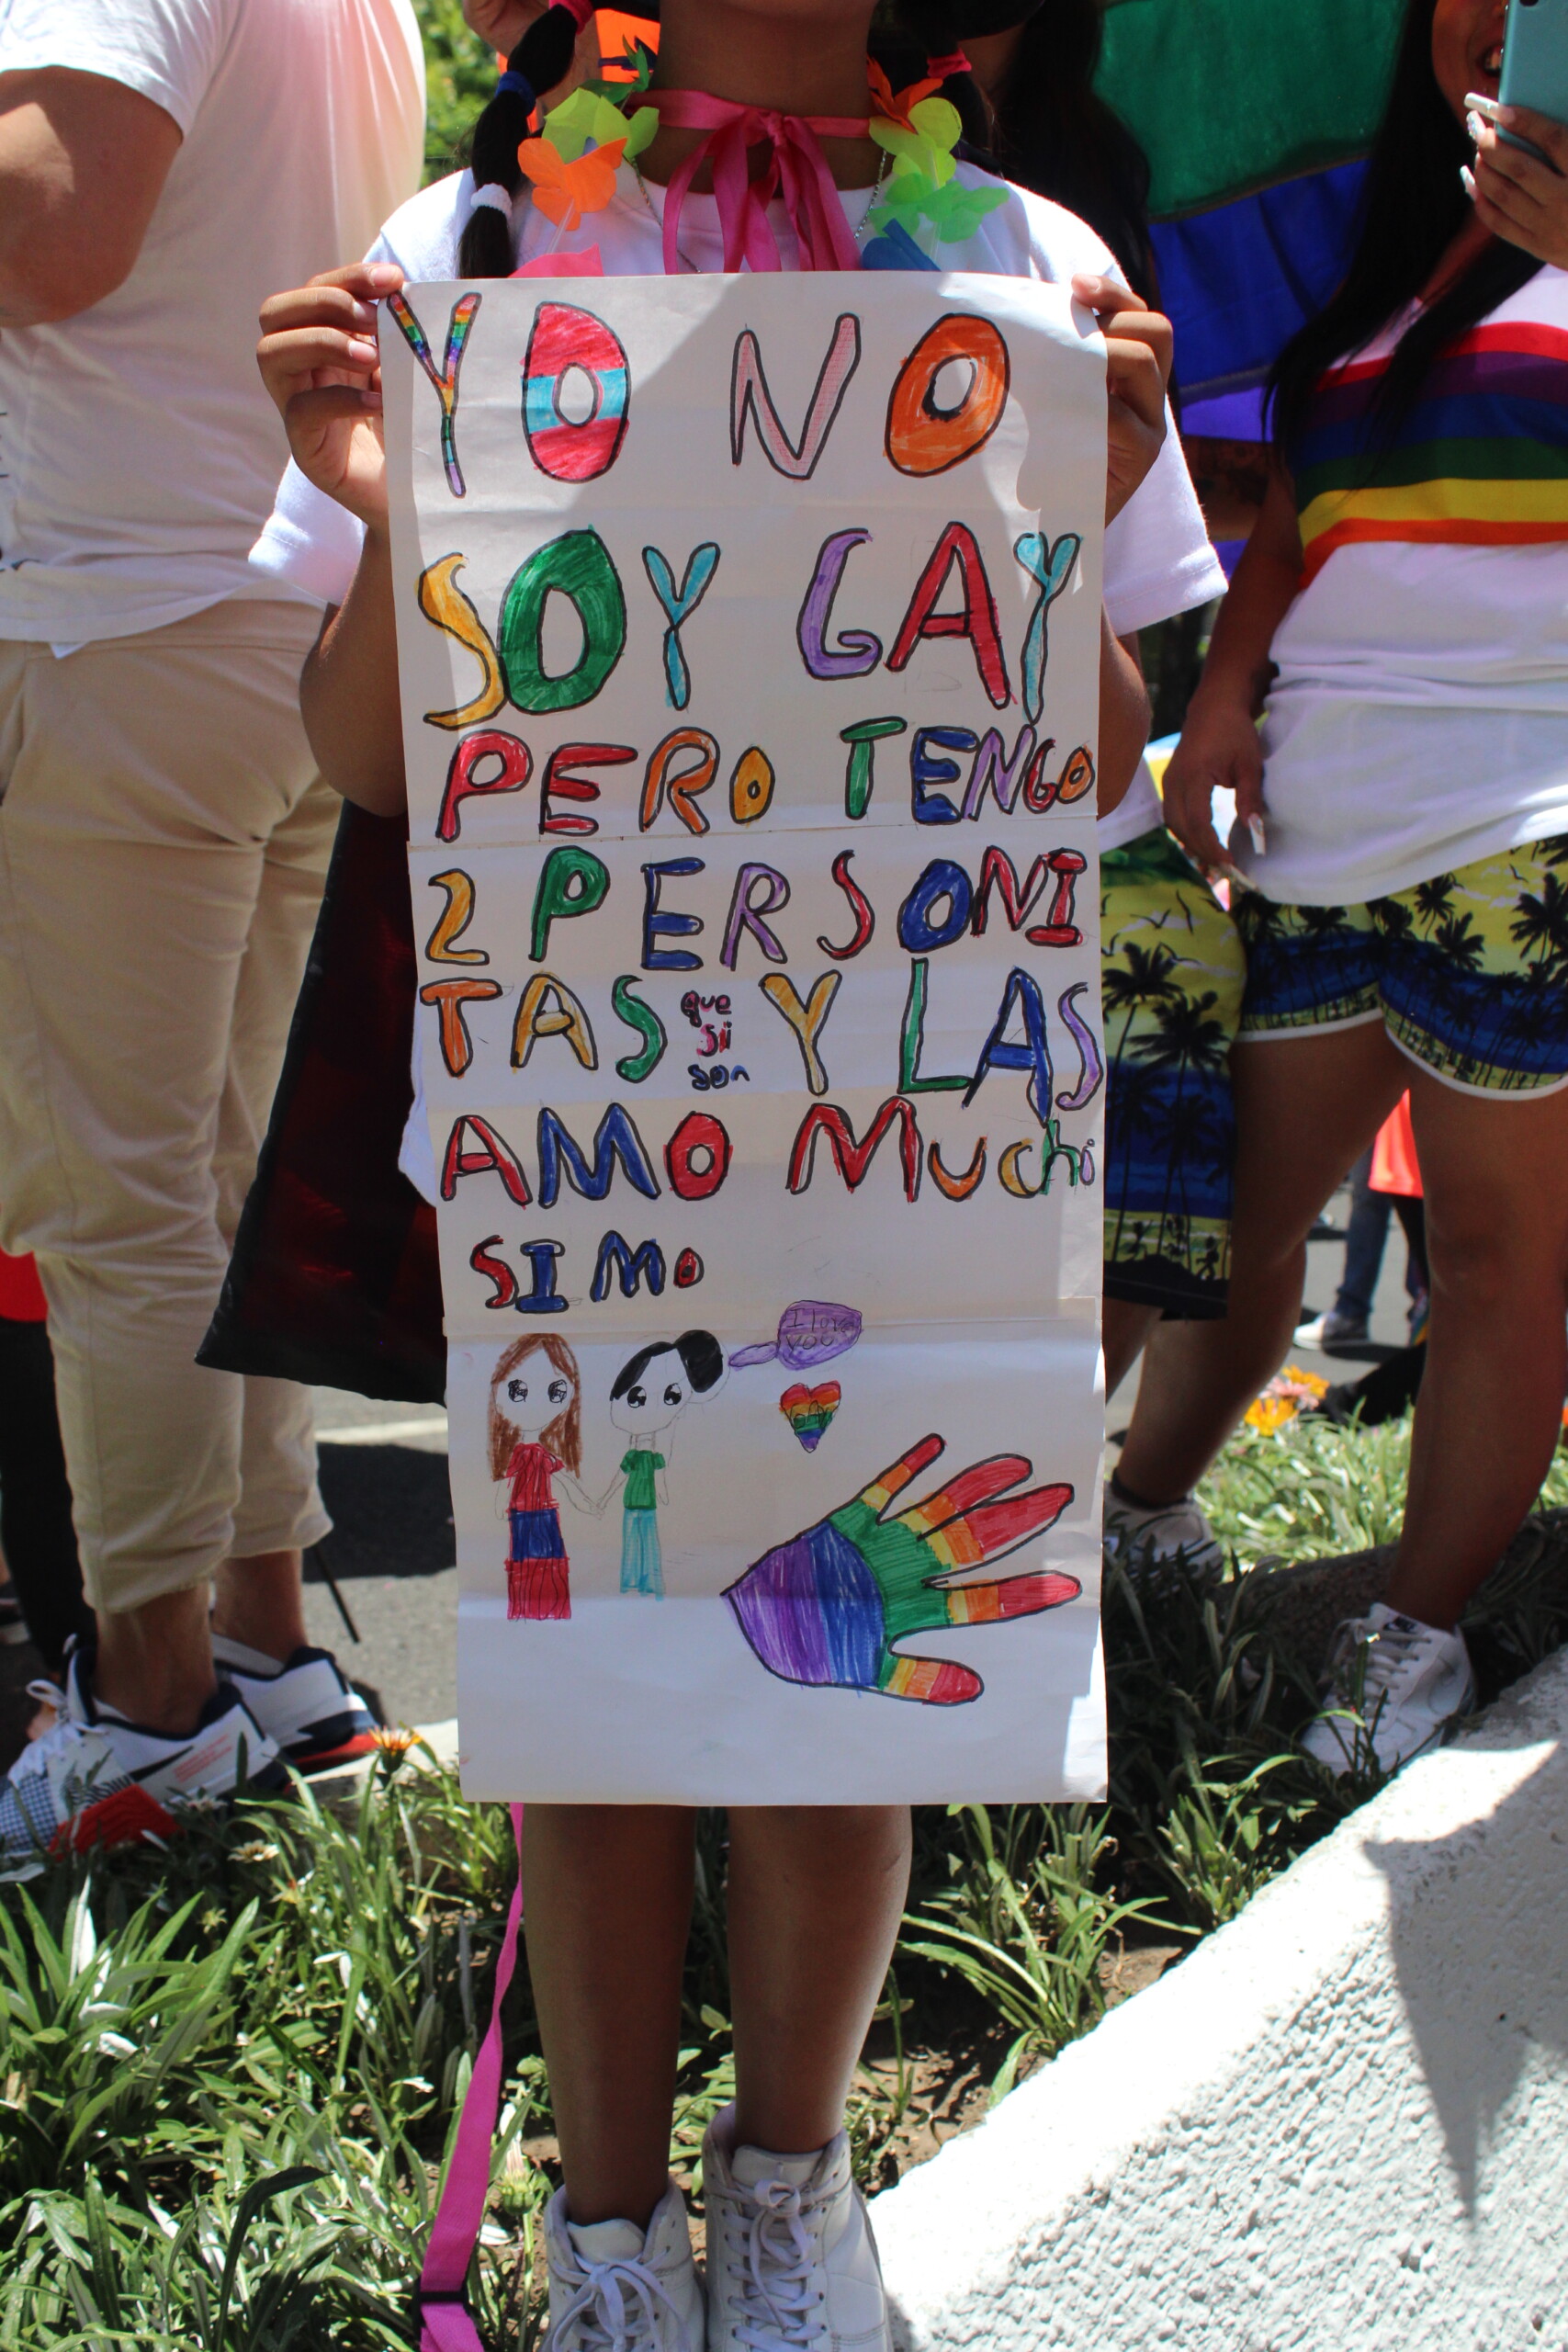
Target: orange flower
[897,105]
[564,192]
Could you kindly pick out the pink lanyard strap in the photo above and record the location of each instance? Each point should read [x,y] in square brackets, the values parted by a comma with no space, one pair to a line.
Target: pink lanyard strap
[797,170]
[445,2324]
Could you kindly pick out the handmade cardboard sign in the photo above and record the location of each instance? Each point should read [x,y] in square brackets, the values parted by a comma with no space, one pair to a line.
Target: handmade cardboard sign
[749,640]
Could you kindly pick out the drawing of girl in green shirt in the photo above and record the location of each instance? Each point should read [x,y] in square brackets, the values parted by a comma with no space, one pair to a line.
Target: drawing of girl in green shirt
[650,1393]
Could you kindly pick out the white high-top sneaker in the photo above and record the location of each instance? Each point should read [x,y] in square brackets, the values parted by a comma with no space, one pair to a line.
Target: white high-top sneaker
[792,2264]
[1395,1687]
[615,2287]
[1148,1538]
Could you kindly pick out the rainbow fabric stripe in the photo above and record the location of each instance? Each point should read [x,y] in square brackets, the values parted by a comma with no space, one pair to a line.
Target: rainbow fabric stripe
[1481,460]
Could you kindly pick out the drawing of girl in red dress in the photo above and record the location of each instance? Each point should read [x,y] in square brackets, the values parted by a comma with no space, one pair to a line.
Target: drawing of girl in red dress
[535,1435]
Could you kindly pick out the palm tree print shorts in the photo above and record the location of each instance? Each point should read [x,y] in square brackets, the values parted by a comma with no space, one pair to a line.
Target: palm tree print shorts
[1172,973]
[1467,972]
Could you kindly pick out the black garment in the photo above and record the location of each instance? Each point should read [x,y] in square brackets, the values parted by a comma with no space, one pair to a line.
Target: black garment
[334,1277]
[36,1529]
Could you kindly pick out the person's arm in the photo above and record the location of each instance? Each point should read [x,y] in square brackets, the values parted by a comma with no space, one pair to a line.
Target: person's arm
[1516,196]
[319,360]
[1138,351]
[1219,747]
[83,162]
[1123,716]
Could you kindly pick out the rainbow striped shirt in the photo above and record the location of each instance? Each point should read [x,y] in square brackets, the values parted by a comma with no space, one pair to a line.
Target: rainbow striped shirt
[1481,460]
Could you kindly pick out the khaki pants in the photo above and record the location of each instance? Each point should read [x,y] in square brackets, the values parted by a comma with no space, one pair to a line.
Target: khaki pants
[163,841]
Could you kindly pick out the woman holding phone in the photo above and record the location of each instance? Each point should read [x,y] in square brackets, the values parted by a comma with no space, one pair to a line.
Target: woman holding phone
[1402,610]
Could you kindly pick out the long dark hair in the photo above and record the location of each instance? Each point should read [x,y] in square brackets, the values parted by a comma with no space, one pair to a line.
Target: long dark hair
[1053,132]
[1413,209]
[543,58]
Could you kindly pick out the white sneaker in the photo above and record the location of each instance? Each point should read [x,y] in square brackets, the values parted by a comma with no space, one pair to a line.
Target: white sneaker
[1330,1331]
[1145,1538]
[790,2260]
[94,1778]
[307,1706]
[1394,1688]
[615,2287]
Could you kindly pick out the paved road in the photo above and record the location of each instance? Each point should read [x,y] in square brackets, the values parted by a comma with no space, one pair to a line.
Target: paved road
[384,1479]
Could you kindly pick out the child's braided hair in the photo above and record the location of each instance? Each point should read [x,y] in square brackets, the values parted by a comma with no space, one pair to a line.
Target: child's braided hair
[543,58]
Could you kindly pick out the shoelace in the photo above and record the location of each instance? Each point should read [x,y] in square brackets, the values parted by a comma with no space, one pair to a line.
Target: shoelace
[1387,1650]
[779,2293]
[616,2309]
[63,1733]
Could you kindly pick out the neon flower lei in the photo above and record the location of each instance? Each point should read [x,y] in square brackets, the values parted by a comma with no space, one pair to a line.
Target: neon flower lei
[574,162]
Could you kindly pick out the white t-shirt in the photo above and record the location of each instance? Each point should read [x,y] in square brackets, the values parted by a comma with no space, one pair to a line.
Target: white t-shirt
[1419,719]
[1159,560]
[139,451]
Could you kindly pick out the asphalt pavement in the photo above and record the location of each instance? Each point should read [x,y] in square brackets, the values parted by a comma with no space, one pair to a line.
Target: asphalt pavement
[383,1472]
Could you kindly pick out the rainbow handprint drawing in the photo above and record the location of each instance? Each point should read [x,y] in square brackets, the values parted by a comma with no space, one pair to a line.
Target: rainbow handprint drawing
[828,1608]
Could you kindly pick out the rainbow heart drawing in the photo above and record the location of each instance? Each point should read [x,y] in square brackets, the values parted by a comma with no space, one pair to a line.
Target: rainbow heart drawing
[809,1411]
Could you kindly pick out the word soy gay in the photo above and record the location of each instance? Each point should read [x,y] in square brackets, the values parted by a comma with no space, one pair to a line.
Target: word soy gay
[927,433]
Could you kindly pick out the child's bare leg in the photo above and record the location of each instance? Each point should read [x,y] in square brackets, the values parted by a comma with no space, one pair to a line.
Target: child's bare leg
[815,1895]
[1125,1329]
[608,1890]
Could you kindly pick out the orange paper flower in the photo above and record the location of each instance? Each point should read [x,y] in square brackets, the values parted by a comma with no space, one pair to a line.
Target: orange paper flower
[897,105]
[564,192]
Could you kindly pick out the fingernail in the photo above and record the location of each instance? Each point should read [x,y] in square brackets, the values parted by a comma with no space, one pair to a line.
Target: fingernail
[385,273]
[1474,127]
[362,353]
[1259,838]
[1467,181]
[1486,109]
[372,399]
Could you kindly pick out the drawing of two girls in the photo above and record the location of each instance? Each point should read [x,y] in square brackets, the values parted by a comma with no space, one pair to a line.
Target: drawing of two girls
[535,1436]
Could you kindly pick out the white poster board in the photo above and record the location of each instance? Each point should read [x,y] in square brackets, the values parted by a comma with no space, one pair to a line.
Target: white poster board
[749,638]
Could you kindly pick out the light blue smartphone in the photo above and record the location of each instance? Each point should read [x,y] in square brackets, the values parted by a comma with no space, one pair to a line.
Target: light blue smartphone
[1535,63]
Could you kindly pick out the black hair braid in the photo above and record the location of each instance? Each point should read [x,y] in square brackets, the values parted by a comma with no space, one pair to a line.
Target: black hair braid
[542,58]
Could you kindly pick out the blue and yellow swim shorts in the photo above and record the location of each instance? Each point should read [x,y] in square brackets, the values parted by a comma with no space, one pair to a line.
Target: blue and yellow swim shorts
[1468,972]
[1172,973]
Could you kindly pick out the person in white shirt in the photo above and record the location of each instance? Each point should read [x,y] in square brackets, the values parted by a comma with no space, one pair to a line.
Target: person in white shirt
[163,837]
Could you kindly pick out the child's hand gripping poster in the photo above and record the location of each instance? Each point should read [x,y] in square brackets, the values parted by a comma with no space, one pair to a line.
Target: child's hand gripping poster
[749,634]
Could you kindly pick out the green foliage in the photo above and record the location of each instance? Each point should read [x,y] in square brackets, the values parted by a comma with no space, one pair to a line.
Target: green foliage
[459,80]
[1024,1922]
[1312,1490]
[230,2068]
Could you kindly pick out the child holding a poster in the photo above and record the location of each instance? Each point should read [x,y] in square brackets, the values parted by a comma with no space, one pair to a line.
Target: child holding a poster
[772,101]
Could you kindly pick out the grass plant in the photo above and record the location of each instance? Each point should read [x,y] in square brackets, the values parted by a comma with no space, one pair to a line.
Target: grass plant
[230,2068]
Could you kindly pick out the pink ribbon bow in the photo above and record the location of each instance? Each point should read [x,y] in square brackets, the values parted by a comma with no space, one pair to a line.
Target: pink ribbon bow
[796,170]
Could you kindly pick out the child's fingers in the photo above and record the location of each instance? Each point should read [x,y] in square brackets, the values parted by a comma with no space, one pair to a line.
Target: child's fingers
[346,297]
[1124,316]
[1136,378]
[300,351]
